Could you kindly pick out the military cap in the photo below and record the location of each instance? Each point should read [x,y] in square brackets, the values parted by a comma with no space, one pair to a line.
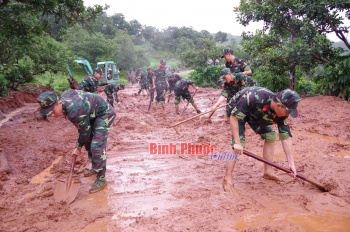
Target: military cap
[122,86]
[162,62]
[223,73]
[98,70]
[149,69]
[47,102]
[226,51]
[220,82]
[289,99]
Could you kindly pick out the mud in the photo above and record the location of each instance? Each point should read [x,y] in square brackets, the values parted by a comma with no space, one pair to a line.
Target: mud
[176,192]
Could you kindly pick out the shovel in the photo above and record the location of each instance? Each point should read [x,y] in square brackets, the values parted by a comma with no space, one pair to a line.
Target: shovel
[319,185]
[67,190]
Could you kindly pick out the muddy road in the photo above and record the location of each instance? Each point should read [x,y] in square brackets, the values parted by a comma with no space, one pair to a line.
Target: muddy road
[177,191]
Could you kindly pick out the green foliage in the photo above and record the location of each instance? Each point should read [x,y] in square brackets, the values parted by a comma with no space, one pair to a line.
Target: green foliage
[3,88]
[47,55]
[123,77]
[220,37]
[57,81]
[199,57]
[206,77]
[271,80]
[335,80]
[294,35]
[306,87]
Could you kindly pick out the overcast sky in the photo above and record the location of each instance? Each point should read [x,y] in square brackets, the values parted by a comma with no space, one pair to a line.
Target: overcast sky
[213,16]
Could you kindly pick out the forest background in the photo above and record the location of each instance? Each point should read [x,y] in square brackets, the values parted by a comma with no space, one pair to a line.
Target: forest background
[39,37]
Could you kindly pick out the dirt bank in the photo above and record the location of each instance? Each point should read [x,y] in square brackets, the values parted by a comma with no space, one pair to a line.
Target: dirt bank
[177,192]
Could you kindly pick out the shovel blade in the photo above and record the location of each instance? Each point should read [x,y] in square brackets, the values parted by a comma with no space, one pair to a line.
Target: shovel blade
[62,193]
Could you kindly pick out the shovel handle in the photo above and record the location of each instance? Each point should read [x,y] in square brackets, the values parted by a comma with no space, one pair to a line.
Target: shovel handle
[70,176]
[322,187]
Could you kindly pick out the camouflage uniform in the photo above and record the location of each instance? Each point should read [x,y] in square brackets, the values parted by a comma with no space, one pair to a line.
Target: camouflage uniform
[89,84]
[160,83]
[93,117]
[237,66]
[240,81]
[111,89]
[181,90]
[252,105]
[143,81]
[173,78]
[150,76]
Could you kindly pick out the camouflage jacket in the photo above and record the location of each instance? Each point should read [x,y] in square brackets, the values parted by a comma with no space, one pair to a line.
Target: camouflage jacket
[240,81]
[89,84]
[182,84]
[150,77]
[172,81]
[112,89]
[160,77]
[143,78]
[253,105]
[237,66]
[82,108]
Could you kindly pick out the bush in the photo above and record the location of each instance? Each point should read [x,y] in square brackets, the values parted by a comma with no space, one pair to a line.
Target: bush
[306,87]
[206,77]
[270,80]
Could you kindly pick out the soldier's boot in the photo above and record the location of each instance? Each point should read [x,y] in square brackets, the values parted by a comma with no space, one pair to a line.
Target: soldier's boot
[198,111]
[90,172]
[100,183]
[139,92]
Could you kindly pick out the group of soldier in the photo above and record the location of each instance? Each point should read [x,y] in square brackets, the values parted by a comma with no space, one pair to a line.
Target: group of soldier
[166,83]
[247,102]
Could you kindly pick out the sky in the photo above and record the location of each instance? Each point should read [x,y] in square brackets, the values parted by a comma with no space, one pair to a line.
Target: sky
[213,15]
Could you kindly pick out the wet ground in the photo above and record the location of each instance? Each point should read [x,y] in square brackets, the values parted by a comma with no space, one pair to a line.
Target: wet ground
[175,191]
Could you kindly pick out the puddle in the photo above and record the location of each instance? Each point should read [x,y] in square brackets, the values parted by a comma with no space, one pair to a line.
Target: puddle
[328,220]
[41,177]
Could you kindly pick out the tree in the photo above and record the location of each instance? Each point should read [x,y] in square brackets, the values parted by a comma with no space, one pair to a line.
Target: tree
[23,23]
[199,57]
[220,37]
[294,32]
[93,47]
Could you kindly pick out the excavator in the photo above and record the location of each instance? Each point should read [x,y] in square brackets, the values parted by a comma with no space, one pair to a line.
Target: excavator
[110,72]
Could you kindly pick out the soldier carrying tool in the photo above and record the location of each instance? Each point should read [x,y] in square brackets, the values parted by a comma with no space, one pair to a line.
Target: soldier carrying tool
[112,89]
[260,108]
[181,91]
[93,117]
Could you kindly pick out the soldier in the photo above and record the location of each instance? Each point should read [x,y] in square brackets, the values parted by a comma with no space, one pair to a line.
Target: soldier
[233,82]
[181,91]
[234,64]
[111,89]
[172,79]
[260,108]
[144,83]
[160,82]
[90,82]
[93,117]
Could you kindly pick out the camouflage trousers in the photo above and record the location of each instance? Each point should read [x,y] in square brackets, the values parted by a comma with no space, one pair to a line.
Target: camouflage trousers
[97,144]
[160,94]
[110,99]
[265,131]
[144,86]
[185,94]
